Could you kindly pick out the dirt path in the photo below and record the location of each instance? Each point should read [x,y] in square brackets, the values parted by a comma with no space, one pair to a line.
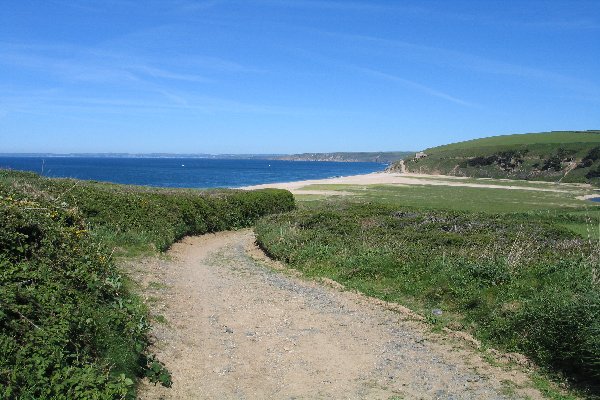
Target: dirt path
[239,329]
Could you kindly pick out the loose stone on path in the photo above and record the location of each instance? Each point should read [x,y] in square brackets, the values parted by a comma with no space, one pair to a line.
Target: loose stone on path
[242,328]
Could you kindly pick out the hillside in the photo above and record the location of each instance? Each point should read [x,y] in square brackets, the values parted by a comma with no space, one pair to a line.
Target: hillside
[566,156]
[381,157]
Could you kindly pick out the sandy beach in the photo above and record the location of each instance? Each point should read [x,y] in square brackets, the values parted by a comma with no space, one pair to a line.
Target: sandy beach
[396,178]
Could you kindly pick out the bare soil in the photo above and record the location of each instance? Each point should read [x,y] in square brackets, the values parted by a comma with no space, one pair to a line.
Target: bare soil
[239,326]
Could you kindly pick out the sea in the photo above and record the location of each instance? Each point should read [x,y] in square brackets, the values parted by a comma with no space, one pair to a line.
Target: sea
[186,172]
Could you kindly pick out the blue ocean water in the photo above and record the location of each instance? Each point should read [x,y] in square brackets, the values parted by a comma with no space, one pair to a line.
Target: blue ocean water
[185,172]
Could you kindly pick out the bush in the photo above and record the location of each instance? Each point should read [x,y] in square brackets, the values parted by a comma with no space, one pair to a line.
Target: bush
[69,325]
[593,155]
[508,161]
[555,161]
[130,217]
[593,173]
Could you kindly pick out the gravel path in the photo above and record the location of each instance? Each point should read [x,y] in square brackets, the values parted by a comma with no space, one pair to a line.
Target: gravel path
[238,328]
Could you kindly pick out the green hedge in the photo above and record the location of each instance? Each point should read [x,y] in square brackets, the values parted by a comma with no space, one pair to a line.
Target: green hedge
[69,325]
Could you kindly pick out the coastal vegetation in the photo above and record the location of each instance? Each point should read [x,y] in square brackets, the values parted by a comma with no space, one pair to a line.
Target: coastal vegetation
[564,205]
[570,156]
[517,269]
[70,324]
[512,262]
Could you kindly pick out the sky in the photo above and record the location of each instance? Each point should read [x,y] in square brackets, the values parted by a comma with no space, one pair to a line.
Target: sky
[291,76]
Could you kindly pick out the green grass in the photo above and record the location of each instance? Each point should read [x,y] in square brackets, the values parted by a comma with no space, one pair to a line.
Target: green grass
[70,324]
[503,182]
[564,208]
[465,198]
[560,137]
[549,390]
[500,263]
[546,156]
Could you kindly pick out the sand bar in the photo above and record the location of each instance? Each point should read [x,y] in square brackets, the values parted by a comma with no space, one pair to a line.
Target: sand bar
[395,178]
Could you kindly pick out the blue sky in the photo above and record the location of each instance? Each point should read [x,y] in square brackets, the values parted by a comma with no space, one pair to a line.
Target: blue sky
[269,76]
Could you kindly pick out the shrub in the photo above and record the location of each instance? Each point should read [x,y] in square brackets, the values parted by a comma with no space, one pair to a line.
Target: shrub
[593,173]
[69,325]
[507,160]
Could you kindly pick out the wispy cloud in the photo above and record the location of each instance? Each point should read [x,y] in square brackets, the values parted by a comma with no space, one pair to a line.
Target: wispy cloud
[55,102]
[70,65]
[156,5]
[557,24]
[79,63]
[428,11]
[339,5]
[383,75]
[415,85]
[191,6]
[465,61]
[217,64]
[79,5]
[542,20]
[79,66]
[161,73]
[158,86]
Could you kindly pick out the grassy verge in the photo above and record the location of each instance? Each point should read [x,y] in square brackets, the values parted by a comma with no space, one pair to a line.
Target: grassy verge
[563,207]
[70,327]
[517,280]
[481,199]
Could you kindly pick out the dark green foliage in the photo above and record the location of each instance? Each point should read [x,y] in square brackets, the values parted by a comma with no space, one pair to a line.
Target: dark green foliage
[555,161]
[506,160]
[593,155]
[481,161]
[593,173]
[518,281]
[69,325]
[156,372]
[590,159]
[131,216]
[548,156]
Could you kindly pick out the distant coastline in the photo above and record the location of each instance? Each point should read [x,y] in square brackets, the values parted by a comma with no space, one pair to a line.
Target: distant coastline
[184,172]
[379,157]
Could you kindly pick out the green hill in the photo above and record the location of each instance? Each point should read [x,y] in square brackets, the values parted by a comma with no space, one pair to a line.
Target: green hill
[567,156]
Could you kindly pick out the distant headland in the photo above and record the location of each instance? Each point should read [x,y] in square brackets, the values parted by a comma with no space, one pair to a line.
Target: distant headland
[382,156]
